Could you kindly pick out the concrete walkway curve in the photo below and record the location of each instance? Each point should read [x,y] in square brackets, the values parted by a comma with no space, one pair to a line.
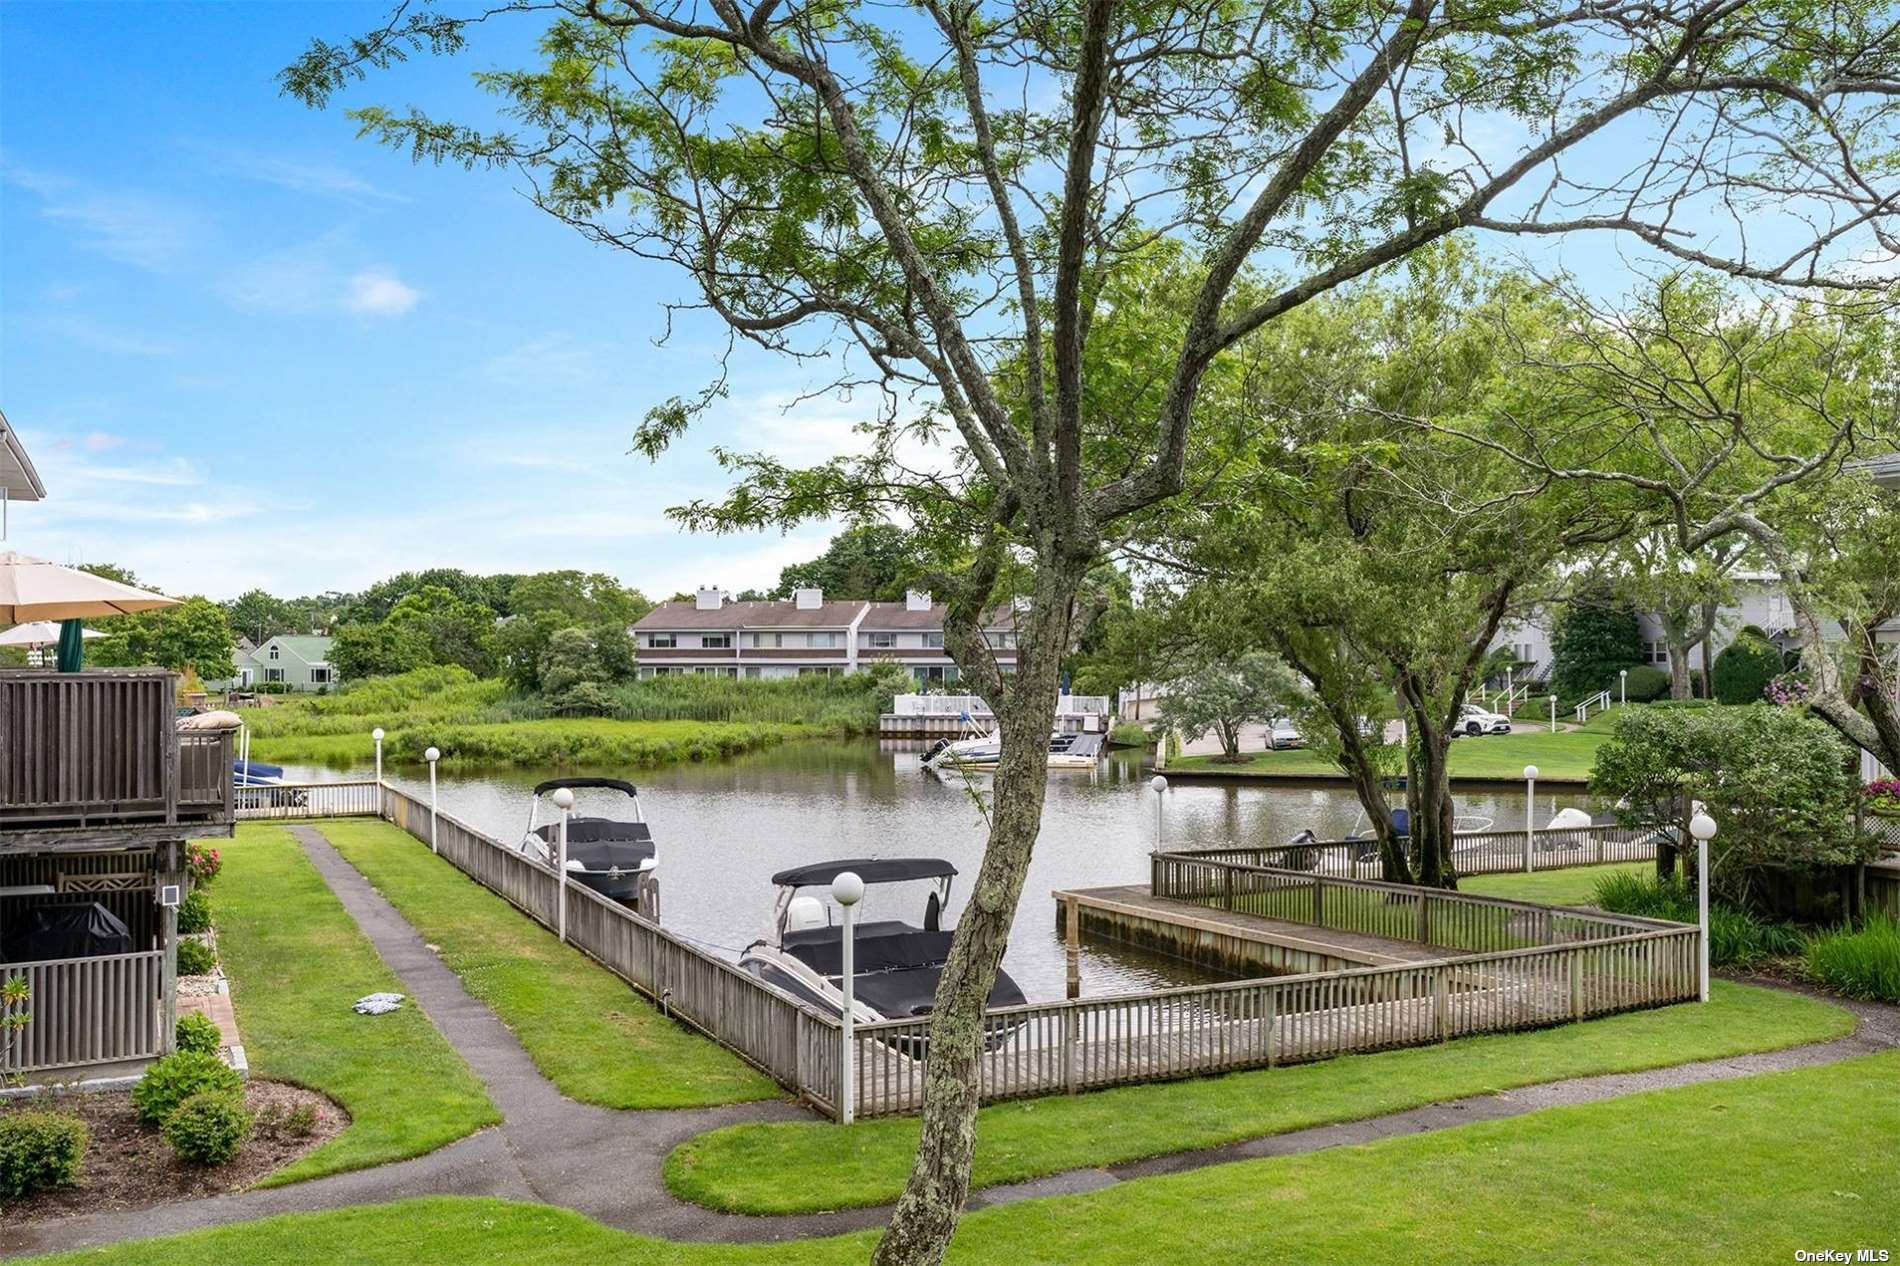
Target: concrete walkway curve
[608,1163]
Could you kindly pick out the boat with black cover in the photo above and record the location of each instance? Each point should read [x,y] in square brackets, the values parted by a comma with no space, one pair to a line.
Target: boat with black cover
[897,964]
[611,855]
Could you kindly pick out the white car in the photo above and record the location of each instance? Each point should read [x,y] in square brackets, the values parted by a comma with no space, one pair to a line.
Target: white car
[1283,734]
[1474,720]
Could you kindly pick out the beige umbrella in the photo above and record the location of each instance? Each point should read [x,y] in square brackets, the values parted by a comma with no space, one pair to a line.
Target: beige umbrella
[34,589]
[39,633]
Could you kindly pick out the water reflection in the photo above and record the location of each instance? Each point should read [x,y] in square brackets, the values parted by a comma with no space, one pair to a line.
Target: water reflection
[723,828]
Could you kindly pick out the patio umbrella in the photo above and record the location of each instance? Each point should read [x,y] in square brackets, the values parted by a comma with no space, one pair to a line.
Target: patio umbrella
[39,633]
[34,589]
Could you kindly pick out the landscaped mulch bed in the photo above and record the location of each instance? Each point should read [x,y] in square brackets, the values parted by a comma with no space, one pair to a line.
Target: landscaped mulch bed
[130,1165]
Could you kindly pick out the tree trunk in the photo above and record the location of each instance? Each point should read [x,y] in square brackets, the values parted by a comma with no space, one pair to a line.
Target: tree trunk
[1428,793]
[926,1215]
[1711,612]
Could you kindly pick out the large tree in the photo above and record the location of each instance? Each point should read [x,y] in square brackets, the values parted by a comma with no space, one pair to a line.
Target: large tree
[923,199]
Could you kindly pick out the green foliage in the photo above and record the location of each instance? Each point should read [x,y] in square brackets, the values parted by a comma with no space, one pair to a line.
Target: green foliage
[1736,938]
[868,561]
[1774,779]
[1128,734]
[195,958]
[1646,684]
[1745,667]
[178,1077]
[194,634]
[1861,962]
[579,667]
[197,1032]
[194,913]
[210,1127]
[259,616]
[1596,636]
[1225,696]
[375,603]
[39,1150]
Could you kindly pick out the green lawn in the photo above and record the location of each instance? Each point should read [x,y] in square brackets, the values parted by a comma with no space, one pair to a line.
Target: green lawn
[553,741]
[743,1167]
[1564,756]
[1572,887]
[585,1027]
[1750,1170]
[297,961]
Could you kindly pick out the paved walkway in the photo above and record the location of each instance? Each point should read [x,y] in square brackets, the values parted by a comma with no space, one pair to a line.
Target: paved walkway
[608,1164]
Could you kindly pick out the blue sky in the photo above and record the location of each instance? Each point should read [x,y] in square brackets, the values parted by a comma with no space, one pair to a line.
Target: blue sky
[245,348]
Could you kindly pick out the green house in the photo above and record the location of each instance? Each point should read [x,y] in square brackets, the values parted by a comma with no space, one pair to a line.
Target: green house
[298,661]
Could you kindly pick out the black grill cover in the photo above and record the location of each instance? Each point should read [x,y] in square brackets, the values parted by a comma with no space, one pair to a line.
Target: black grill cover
[51,931]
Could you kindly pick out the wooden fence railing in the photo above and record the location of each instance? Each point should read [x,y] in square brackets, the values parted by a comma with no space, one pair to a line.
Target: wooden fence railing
[309,800]
[87,1011]
[1509,965]
[1473,853]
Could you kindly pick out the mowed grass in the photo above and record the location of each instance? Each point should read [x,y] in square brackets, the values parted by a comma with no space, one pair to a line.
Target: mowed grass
[297,962]
[547,741]
[1573,887]
[743,1167]
[585,1028]
[1565,756]
[1749,1170]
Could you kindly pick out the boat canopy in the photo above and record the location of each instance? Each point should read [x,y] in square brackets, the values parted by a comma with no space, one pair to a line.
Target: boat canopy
[579,784]
[872,870]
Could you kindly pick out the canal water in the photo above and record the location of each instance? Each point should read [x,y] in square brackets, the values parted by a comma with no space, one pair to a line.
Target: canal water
[723,828]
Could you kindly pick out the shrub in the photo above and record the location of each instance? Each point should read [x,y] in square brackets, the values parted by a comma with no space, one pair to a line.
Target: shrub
[178,1077]
[195,958]
[39,1150]
[203,861]
[1744,669]
[198,1032]
[1861,963]
[1883,794]
[194,913]
[1736,938]
[1128,734]
[1646,684]
[209,1127]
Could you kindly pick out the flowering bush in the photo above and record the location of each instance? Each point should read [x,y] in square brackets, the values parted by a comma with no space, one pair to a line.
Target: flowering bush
[1786,689]
[1883,793]
[204,862]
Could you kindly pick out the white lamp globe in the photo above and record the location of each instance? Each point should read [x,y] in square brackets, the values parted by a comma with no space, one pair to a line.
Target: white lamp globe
[563,798]
[1702,826]
[377,734]
[847,889]
[1530,772]
[1159,783]
[432,755]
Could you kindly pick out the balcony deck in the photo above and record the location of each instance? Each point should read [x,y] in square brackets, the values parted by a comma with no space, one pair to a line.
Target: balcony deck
[94,761]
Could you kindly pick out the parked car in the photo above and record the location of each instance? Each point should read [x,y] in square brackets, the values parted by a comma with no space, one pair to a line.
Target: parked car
[1475,720]
[1283,734]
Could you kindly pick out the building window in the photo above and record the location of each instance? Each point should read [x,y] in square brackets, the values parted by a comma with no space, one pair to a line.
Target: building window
[716,641]
[934,641]
[273,655]
[883,641]
[824,641]
[320,674]
[273,674]
[752,670]
[662,641]
[1658,652]
[1000,641]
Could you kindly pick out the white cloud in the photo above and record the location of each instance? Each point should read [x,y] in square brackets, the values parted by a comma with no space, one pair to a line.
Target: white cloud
[124,224]
[377,292]
[101,441]
[550,359]
[314,176]
[87,333]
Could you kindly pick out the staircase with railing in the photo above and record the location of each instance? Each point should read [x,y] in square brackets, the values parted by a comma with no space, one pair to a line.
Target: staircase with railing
[1600,701]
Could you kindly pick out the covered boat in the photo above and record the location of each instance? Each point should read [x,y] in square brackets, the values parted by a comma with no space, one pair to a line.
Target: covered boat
[611,855]
[897,964]
[982,753]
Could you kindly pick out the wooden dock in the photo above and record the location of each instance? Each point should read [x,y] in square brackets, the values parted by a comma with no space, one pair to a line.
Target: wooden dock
[1231,941]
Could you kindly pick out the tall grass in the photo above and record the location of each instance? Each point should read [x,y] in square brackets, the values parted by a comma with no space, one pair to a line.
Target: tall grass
[1736,938]
[1860,962]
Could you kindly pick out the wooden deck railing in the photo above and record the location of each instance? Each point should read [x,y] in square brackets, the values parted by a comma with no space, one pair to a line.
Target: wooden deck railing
[99,752]
[88,1011]
[1472,853]
[355,798]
